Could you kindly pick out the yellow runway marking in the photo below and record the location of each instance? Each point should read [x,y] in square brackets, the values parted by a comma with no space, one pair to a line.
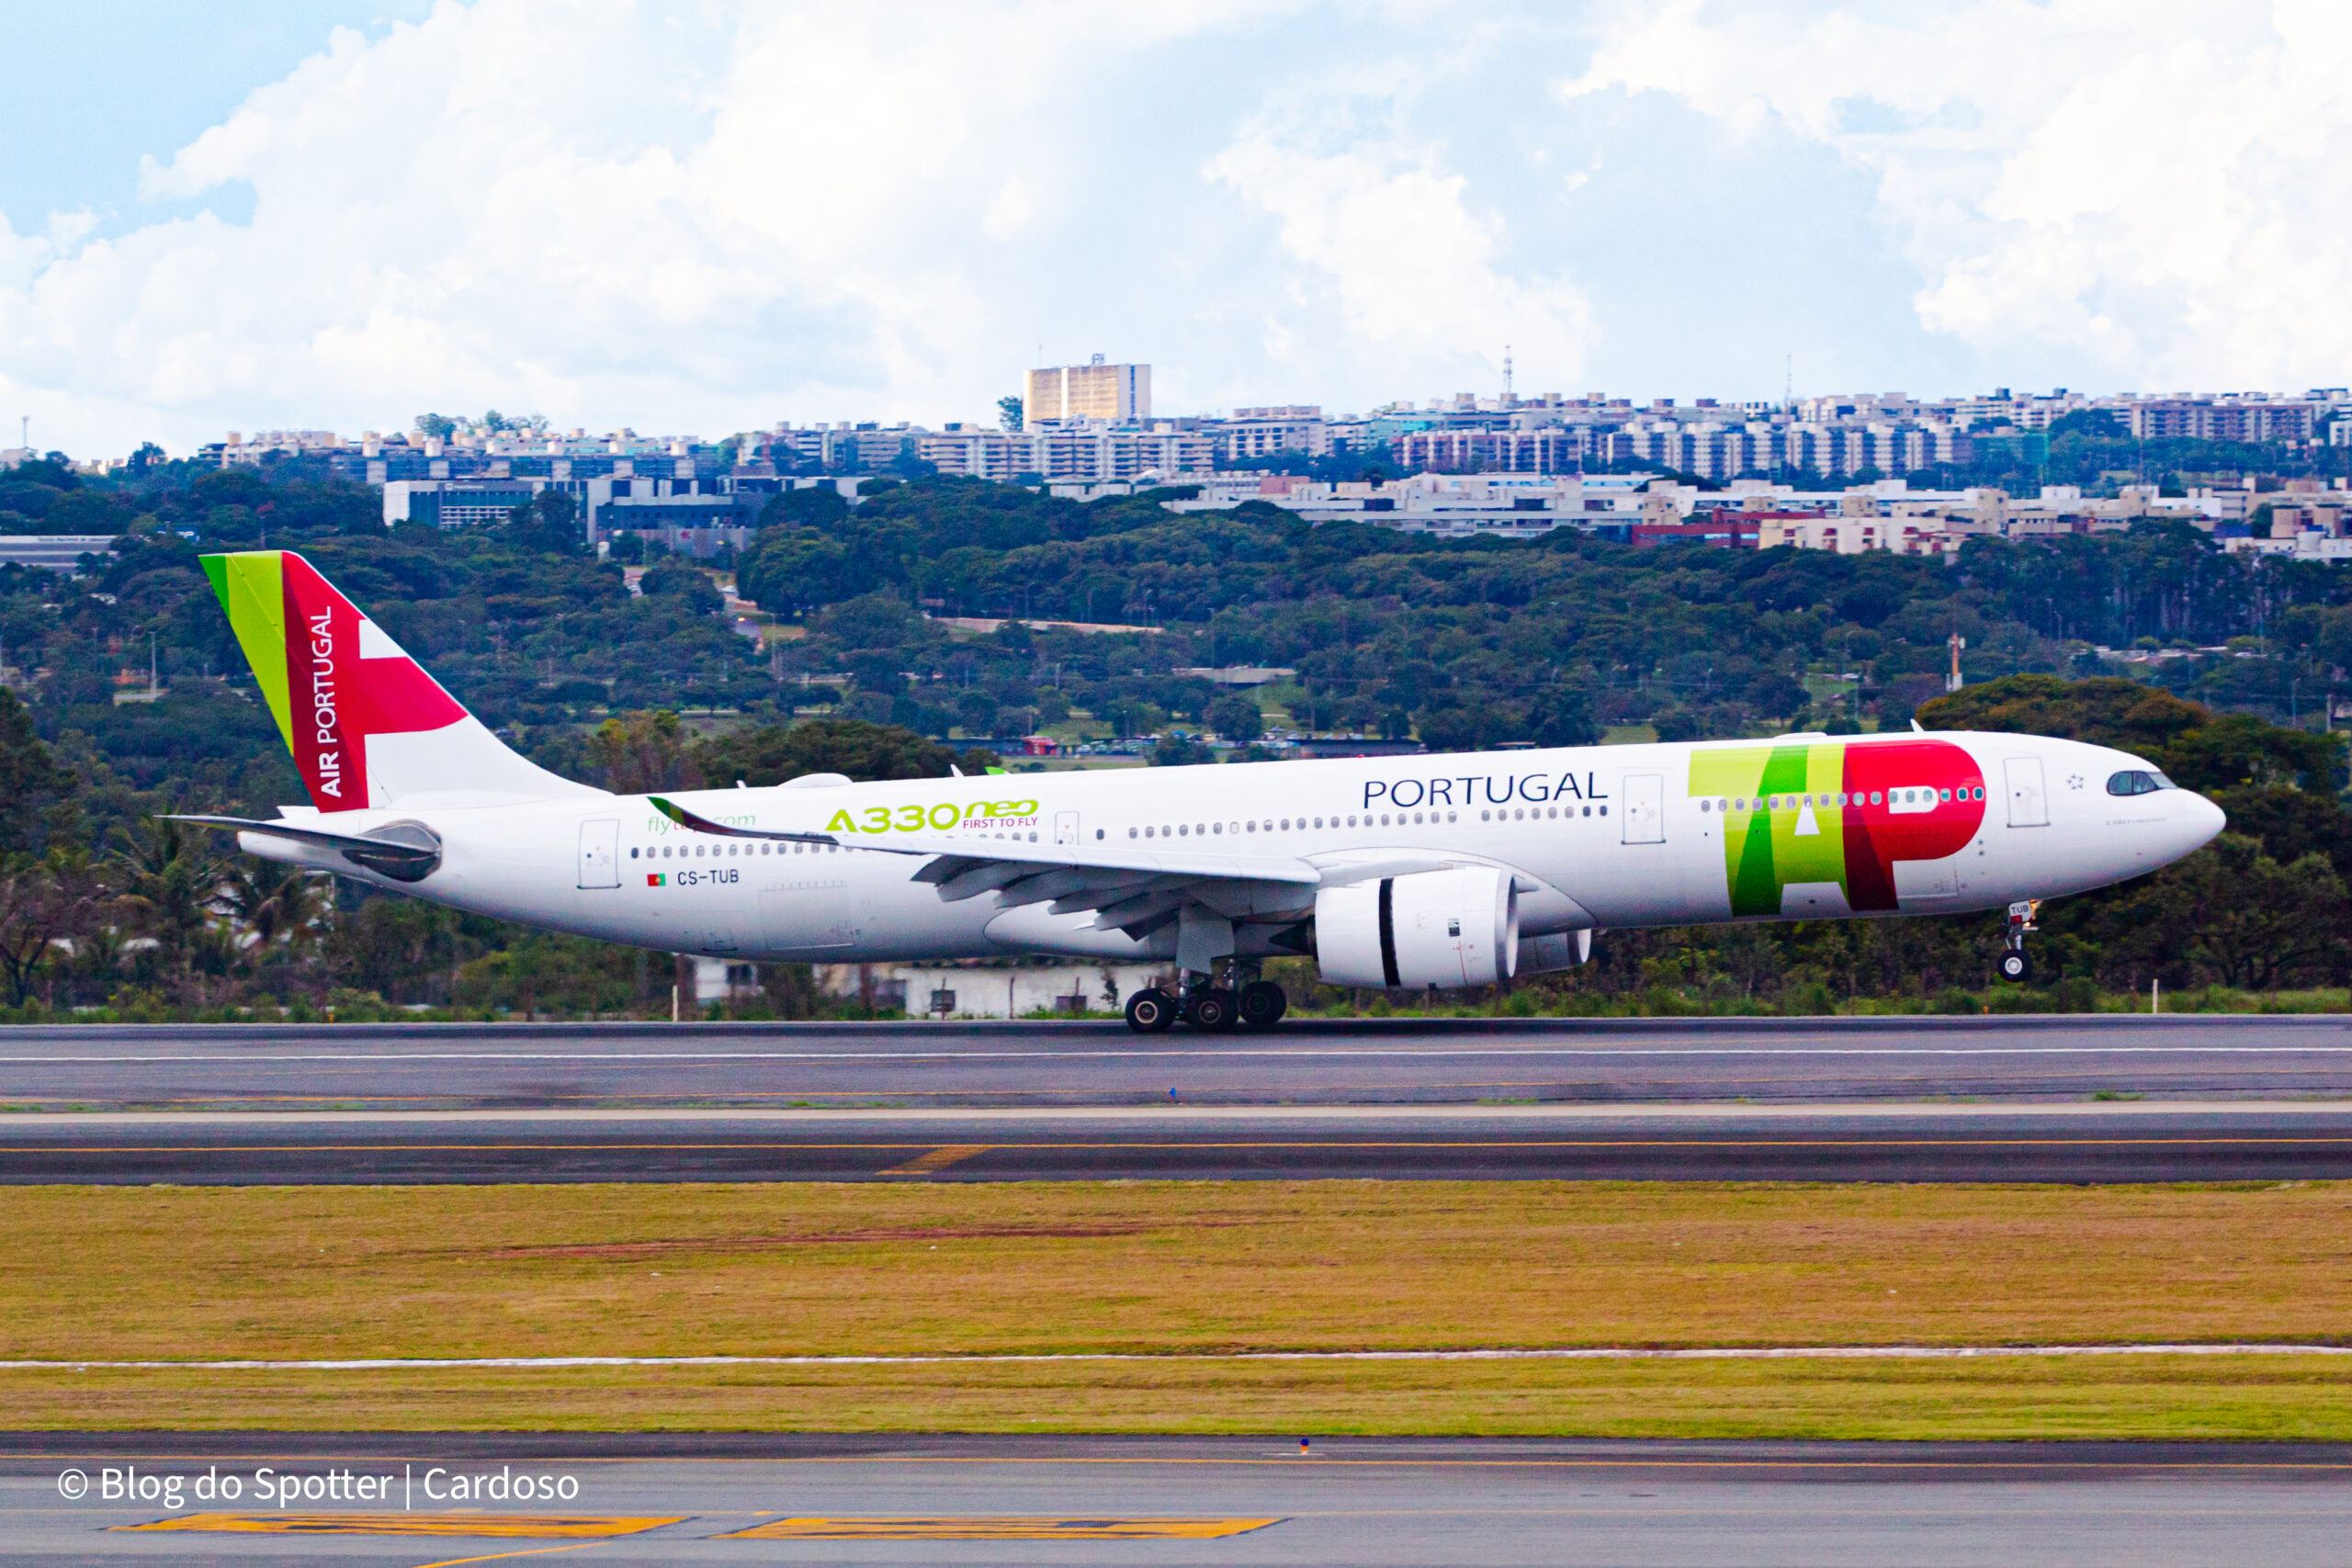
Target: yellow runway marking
[998,1529]
[938,1159]
[484,1525]
[502,1556]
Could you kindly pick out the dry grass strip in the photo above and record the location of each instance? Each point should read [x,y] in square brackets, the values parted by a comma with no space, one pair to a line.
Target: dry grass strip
[800,1269]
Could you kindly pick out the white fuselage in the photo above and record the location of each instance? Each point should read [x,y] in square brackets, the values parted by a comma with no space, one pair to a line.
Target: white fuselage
[1597,837]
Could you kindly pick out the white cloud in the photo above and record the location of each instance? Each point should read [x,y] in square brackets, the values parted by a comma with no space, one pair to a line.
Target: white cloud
[1389,233]
[709,215]
[701,217]
[2147,190]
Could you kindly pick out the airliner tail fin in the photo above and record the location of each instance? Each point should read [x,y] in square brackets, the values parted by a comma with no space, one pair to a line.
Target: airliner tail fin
[367,725]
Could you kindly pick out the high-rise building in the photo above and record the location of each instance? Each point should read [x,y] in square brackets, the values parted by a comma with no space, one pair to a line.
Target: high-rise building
[1067,394]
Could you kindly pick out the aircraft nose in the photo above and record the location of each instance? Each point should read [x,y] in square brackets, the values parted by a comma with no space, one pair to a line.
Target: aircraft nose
[2203,820]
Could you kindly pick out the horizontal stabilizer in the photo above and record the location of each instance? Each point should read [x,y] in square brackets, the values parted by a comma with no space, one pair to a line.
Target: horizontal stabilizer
[412,856]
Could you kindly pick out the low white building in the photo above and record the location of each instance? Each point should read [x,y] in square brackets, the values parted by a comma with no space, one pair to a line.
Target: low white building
[978,990]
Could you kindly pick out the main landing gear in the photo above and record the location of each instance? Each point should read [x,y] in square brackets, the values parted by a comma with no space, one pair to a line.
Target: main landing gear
[2014,965]
[1151,1011]
[1210,1008]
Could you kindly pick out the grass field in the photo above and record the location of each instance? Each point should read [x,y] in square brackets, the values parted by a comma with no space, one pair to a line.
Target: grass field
[1177,1271]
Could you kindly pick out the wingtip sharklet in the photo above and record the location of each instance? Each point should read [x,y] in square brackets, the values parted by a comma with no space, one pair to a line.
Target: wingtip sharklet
[695,823]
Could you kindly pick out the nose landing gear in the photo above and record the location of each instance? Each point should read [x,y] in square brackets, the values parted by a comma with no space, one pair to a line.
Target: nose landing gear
[2014,965]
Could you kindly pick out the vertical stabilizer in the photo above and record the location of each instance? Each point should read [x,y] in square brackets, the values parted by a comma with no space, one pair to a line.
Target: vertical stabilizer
[367,726]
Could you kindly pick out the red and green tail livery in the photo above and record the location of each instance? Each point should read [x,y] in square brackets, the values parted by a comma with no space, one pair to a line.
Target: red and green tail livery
[366,724]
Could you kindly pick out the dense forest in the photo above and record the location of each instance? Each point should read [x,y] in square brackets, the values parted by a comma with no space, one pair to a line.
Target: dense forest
[1563,639]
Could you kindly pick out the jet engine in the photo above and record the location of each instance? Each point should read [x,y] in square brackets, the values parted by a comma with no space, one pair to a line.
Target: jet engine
[1429,928]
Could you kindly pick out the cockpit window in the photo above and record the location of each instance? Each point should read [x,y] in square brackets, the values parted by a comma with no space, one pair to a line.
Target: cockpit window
[2138,781]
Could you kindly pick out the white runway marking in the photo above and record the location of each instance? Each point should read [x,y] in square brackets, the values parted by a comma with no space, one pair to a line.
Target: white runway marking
[1220,1053]
[1588,1353]
[1195,1116]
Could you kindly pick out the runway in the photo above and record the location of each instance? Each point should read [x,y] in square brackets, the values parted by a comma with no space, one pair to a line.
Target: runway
[2103,1142]
[2179,1098]
[687,1499]
[299,1068]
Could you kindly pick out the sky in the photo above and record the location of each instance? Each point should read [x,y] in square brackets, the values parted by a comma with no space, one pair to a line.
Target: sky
[708,217]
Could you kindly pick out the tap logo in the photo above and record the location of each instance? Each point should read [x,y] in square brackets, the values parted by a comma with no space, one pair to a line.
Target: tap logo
[1842,813]
[325,749]
[333,679]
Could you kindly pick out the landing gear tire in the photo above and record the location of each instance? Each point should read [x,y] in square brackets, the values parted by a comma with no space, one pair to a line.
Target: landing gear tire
[1151,1011]
[2015,966]
[1262,1004]
[1210,1009]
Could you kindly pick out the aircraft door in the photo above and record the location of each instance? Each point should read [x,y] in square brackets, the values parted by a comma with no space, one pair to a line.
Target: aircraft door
[1065,826]
[600,853]
[2029,801]
[1641,807]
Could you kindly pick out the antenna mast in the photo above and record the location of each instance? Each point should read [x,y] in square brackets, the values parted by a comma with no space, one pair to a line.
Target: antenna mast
[1507,391]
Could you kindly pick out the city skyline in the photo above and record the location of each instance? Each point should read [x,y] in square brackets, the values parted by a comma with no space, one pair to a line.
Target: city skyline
[714,219]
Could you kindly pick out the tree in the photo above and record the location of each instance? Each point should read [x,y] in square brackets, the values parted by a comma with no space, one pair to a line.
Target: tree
[687,581]
[1236,718]
[172,882]
[435,427]
[641,751]
[272,898]
[2235,915]
[30,776]
[548,521]
[1562,715]
[1010,412]
[44,902]
[863,750]
[976,711]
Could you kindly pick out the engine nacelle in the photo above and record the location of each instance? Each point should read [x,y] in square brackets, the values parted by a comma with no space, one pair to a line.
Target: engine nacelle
[1431,927]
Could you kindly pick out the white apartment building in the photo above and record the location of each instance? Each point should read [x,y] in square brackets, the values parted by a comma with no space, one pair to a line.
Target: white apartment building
[2238,418]
[1264,432]
[1094,453]
[1546,450]
[1445,504]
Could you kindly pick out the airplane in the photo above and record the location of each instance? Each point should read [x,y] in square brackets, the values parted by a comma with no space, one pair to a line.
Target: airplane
[1414,872]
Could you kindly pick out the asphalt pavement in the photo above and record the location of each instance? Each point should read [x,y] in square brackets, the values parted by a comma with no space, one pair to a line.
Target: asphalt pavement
[300,1068]
[1181,1502]
[2100,1142]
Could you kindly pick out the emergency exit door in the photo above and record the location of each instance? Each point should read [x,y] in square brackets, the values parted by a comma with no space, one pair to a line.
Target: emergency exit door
[600,853]
[2028,800]
[1641,806]
[1065,826]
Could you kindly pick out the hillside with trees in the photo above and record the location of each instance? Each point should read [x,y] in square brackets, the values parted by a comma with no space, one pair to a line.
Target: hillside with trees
[1459,643]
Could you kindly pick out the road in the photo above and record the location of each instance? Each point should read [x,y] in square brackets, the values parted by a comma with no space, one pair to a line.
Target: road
[1765,1061]
[2101,1143]
[1465,1502]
